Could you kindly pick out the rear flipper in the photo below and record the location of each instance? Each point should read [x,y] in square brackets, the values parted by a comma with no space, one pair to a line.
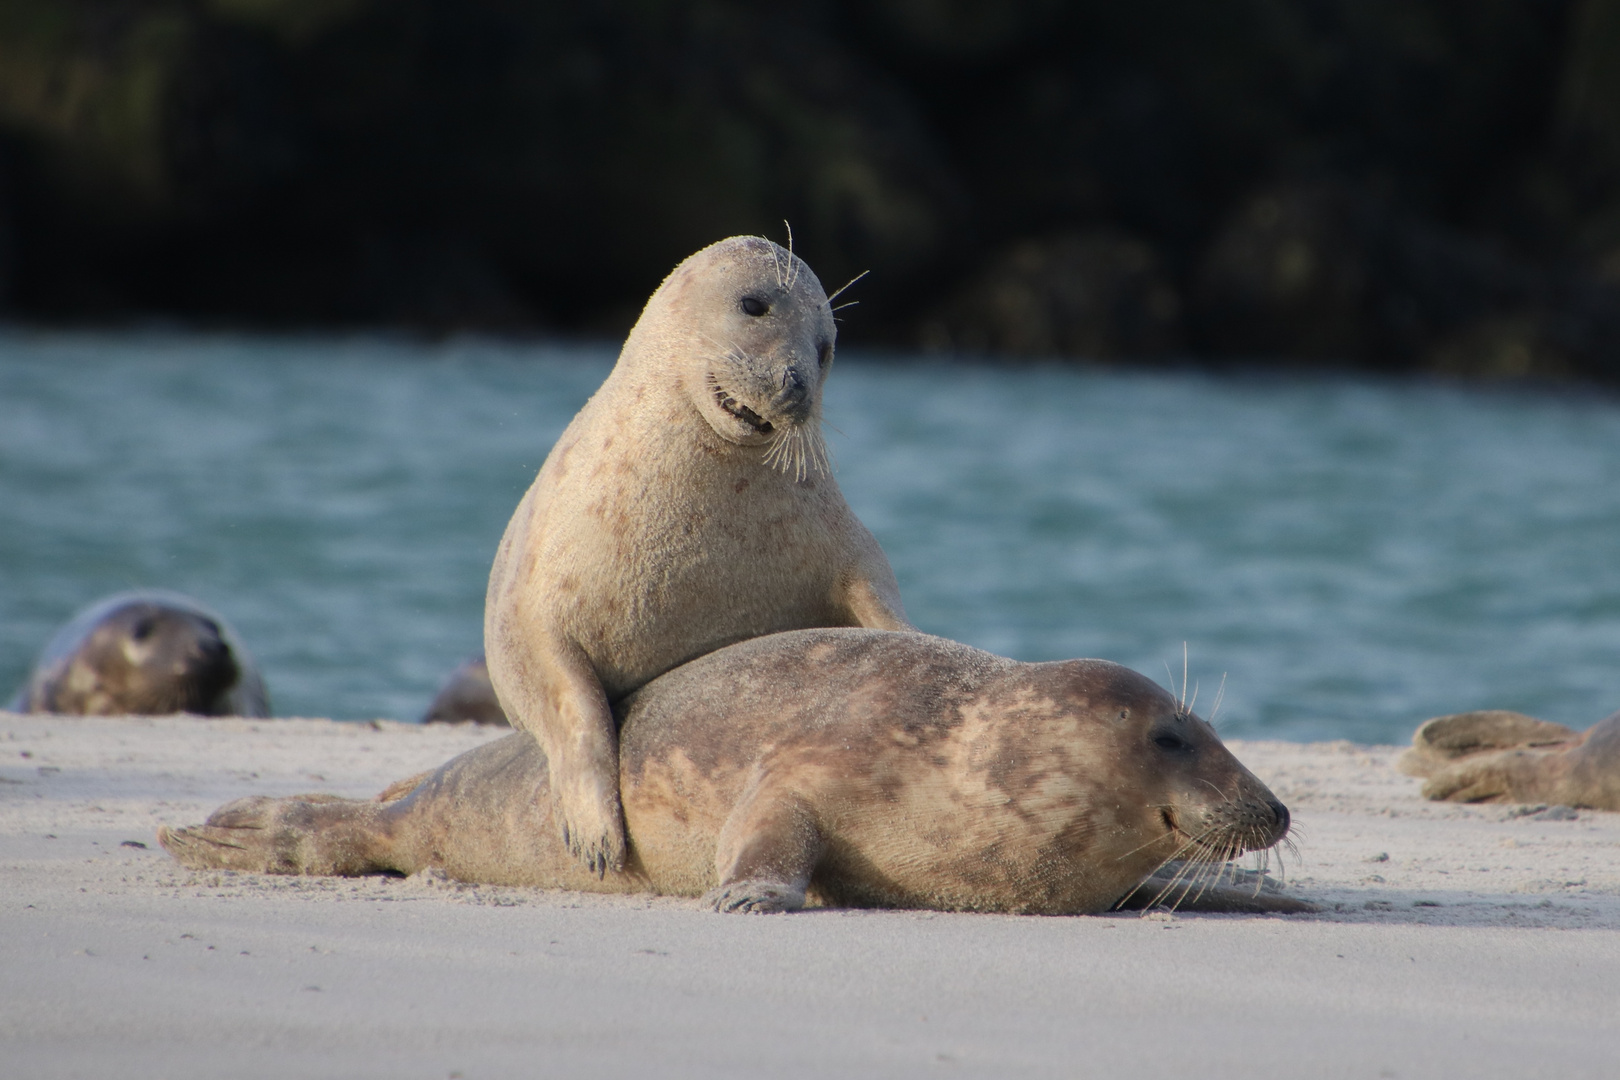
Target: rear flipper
[306,834]
[1440,742]
[1522,776]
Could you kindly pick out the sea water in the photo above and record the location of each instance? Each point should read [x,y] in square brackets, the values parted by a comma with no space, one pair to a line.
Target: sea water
[1333,557]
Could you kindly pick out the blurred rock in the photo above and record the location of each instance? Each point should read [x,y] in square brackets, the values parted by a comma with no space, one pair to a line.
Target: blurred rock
[433,162]
[1288,274]
[1508,346]
[1326,182]
[1097,294]
[1324,271]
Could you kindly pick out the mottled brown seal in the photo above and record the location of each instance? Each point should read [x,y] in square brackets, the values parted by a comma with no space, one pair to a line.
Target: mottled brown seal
[686,507]
[1493,755]
[144,653]
[844,766]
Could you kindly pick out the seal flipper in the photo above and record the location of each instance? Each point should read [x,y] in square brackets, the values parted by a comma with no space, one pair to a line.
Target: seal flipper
[1524,776]
[554,694]
[767,851]
[308,834]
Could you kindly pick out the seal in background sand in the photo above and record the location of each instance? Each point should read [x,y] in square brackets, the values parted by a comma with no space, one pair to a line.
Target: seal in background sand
[688,506]
[1498,756]
[843,766]
[144,653]
[467,695]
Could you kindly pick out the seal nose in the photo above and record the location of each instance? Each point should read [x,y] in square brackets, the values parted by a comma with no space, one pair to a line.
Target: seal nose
[794,394]
[1280,812]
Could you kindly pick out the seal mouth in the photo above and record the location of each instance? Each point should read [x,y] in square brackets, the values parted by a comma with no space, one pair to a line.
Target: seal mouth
[1203,859]
[1221,841]
[730,405]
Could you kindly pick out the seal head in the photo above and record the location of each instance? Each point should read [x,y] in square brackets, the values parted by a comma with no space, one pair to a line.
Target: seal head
[144,653]
[755,342]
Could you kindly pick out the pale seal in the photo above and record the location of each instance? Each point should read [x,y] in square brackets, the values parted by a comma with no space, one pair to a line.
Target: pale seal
[467,695]
[1497,756]
[688,506]
[144,653]
[845,766]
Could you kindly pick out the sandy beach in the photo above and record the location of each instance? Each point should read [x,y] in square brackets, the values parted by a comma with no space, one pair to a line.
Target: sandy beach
[1454,941]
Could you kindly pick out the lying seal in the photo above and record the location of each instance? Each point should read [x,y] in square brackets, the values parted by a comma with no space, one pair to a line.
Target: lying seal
[1499,756]
[144,653]
[686,507]
[840,766]
[467,695]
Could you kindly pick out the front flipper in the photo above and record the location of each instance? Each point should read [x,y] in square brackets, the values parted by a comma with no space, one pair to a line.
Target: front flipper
[767,851]
[553,692]
[308,834]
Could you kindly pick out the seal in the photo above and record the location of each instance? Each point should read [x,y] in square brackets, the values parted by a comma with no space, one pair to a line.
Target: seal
[144,653]
[840,766]
[467,695]
[686,507]
[1493,755]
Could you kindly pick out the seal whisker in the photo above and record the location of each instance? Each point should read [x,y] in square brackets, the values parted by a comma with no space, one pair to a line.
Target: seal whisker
[1220,695]
[1193,842]
[729,350]
[1175,880]
[776,262]
[1154,840]
[1184,881]
[1210,875]
[800,450]
[793,262]
[836,293]
[1150,843]
[1160,865]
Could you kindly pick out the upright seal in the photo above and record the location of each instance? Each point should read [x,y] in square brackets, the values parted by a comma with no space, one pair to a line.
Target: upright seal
[146,653]
[688,506]
[847,766]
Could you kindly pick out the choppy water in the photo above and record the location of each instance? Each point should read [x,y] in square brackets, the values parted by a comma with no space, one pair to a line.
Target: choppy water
[1354,555]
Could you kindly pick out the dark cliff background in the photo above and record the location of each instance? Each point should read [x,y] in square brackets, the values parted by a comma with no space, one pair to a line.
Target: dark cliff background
[1393,184]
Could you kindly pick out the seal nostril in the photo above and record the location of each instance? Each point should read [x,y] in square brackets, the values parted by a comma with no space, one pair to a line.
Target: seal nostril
[1280,812]
[793,388]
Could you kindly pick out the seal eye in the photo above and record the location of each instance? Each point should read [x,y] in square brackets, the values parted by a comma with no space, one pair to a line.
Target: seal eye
[143,629]
[1167,741]
[753,305]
